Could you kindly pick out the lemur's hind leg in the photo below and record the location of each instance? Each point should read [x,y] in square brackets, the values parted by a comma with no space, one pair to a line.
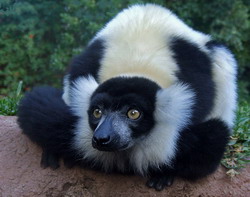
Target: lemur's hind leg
[199,151]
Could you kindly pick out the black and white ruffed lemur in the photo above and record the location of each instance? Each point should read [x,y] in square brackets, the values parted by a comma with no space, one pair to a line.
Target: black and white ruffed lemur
[149,95]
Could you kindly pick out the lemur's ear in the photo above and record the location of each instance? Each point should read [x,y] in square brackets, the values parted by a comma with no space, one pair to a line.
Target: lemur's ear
[174,105]
[78,95]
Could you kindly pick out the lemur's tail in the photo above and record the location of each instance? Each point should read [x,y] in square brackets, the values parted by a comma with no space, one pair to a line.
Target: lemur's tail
[47,120]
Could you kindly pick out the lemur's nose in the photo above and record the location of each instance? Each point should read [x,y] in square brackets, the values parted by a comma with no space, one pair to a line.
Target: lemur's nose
[101,140]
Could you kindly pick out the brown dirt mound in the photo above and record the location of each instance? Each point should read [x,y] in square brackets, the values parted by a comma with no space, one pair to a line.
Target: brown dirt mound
[21,175]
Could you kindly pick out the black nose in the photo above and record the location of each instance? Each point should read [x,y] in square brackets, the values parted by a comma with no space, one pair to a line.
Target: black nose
[100,141]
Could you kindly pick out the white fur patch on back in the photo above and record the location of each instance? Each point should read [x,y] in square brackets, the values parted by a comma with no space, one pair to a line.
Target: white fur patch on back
[137,43]
[224,75]
[173,112]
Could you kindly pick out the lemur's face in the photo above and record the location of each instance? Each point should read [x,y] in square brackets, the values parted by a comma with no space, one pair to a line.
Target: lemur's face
[120,113]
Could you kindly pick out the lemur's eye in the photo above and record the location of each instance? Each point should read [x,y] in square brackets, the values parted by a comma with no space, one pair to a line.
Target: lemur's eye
[133,114]
[97,113]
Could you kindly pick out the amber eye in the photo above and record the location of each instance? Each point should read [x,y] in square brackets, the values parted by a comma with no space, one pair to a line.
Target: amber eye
[97,113]
[133,114]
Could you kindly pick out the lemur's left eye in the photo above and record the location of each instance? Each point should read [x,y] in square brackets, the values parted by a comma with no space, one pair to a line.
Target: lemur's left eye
[133,114]
[97,113]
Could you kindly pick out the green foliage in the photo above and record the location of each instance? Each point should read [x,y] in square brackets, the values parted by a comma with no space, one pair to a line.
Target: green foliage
[8,105]
[238,151]
[39,38]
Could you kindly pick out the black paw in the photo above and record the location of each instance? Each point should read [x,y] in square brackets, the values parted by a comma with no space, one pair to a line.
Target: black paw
[49,160]
[69,162]
[160,182]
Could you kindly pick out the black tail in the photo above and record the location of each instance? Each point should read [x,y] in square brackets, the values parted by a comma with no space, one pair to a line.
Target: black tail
[48,121]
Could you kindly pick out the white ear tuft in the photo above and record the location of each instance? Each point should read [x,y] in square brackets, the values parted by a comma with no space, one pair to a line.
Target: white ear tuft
[80,94]
[174,105]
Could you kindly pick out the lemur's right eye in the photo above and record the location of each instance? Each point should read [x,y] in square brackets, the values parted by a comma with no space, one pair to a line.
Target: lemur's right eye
[97,113]
[133,114]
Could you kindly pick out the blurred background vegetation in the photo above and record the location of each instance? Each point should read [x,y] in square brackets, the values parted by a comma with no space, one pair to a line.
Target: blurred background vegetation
[38,38]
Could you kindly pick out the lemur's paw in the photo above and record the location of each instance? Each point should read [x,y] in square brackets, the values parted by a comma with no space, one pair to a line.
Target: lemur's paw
[159,182]
[69,162]
[49,160]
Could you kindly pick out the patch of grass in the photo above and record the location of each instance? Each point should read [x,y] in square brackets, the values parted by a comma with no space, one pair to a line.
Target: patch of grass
[237,154]
[8,105]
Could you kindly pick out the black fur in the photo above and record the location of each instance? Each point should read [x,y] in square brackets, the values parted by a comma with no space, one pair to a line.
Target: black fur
[199,151]
[120,86]
[121,94]
[201,148]
[195,70]
[88,63]
[48,121]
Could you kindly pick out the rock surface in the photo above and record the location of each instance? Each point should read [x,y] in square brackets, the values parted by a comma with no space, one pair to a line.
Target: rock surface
[21,175]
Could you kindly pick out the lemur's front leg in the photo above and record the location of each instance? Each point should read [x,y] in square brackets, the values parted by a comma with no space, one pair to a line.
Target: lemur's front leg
[160,180]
